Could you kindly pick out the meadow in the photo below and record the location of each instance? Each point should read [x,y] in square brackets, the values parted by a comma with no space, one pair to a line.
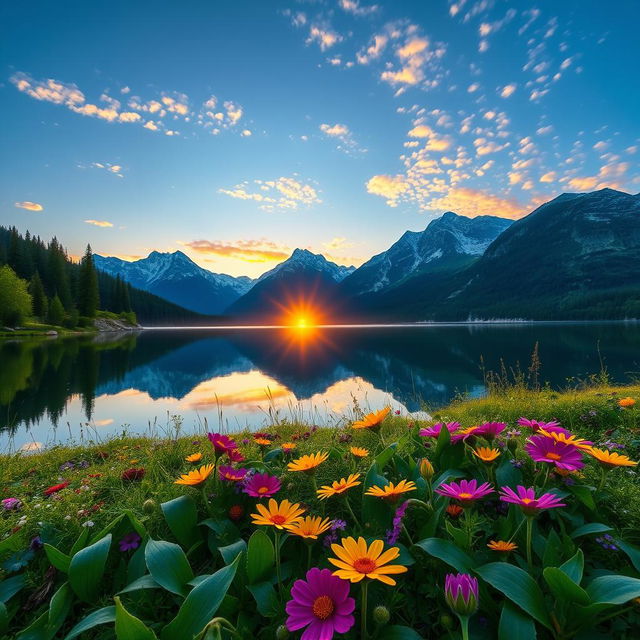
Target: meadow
[516,515]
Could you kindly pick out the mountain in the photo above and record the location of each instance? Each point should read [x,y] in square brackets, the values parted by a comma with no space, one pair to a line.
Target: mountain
[303,280]
[449,242]
[175,277]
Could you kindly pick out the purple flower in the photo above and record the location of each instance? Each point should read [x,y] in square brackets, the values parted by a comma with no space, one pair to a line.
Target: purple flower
[321,603]
[461,593]
[130,542]
[434,431]
[228,473]
[561,454]
[66,466]
[466,491]
[536,424]
[11,504]
[606,542]
[338,525]
[526,499]
[394,534]
[36,543]
[261,485]
[221,443]
[490,430]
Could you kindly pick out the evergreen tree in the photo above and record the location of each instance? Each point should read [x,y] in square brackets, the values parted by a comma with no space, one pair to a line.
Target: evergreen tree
[15,301]
[39,298]
[88,296]
[56,311]
[59,275]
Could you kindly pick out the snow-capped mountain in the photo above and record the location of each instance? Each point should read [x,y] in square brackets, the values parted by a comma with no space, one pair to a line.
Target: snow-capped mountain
[451,241]
[304,259]
[175,277]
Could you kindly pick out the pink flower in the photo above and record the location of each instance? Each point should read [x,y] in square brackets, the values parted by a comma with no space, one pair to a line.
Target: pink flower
[11,503]
[262,485]
[490,430]
[235,456]
[222,444]
[535,424]
[434,431]
[562,455]
[467,491]
[527,501]
[461,593]
[230,474]
[322,604]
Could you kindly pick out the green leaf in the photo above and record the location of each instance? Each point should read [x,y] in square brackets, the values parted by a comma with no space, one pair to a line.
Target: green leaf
[564,588]
[632,551]
[266,599]
[447,552]
[383,458]
[584,495]
[272,455]
[399,632]
[181,515]
[11,586]
[101,616]
[587,529]
[553,550]
[12,543]
[445,476]
[144,582]
[81,542]
[4,618]
[232,551]
[57,558]
[574,566]
[168,565]
[87,568]
[201,604]
[507,474]
[128,627]
[108,529]
[373,509]
[613,589]
[260,557]
[515,625]
[518,586]
[59,608]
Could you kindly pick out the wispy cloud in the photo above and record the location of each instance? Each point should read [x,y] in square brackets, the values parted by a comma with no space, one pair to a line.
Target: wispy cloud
[354,7]
[247,250]
[324,36]
[342,133]
[29,206]
[282,194]
[100,223]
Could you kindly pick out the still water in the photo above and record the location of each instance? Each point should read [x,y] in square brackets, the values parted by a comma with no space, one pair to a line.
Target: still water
[94,387]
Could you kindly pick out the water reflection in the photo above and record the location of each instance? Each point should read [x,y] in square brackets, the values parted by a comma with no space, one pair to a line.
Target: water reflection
[97,386]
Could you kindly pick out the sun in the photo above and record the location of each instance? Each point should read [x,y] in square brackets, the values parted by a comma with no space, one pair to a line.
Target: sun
[302,322]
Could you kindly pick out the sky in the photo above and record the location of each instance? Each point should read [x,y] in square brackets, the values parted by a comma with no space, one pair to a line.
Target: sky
[237,131]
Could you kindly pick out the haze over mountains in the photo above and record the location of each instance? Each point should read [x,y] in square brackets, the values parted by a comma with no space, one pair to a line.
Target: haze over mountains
[575,257]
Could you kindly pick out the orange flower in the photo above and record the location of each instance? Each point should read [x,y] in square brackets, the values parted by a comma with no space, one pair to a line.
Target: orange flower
[338,487]
[626,403]
[288,447]
[558,436]
[391,492]
[263,442]
[195,477]
[194,457]
[308,463]
[502,545]
[309,527]
[454,510]
[277,515]
[372,420]
[486,454]
[610,459]
[359,452]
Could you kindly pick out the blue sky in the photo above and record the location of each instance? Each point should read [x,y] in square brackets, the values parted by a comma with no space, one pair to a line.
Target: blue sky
[238,131]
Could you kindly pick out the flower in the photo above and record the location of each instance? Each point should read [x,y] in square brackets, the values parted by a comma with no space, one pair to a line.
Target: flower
[562,455]
[261,485]
[338,486]
[372,420]
[502,545]
[490,430]
[235,456]
[527,501]
[461,593]
[607,542]
[426,469]
[227,472]
[467,491]
[195,477]
[221,443]
[626,403]
[394,534]
[309,527]
[434,431]
[308,463]
[11,504]
[390,491]
[194,457]
[277,515]
[288,447]
[610,459]
[263,442]
[536,425]
[135,473]
[486,454]
[356,561]
[322,604]
[359,452]
[454,511]
[130,542]
[566,437]
[55,488]
[465,434]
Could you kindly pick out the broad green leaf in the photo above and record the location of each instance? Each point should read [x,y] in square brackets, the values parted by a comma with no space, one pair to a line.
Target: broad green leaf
[564,588]
[373,509]
[272,455]
[168,565]
[108,529]
[12,543]
[613,589]
[584,495]
[260,557]
[574,566]
[57,558]
[232,551]
[446,476]
[383,458]
[128,627]
[87,568]
[552,555]
[399,632]
[507,474]
[181,515]
[11,586]
[266,599]
[101,616]
[632,551]
[81,542]
[518,586]
[587,529]
[515,625]
[4,618]
[201,604]
[59,607]
[144,582]
[447,552]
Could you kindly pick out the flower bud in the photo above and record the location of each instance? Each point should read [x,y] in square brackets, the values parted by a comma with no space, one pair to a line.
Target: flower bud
[461,593]
[381,614]
[426,469]
[512,445]
[149,506]
[282,633]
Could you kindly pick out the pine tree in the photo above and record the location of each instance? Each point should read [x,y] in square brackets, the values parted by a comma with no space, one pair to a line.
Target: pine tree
[36,289]
[88,296]
[59,275]
[56,311]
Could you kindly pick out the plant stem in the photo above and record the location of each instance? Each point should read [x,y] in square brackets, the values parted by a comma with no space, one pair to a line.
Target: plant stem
[529,538]
[468,527]
[464,625]
[603,478]
[277,549]
[353,515]
[308,556]
[363,611]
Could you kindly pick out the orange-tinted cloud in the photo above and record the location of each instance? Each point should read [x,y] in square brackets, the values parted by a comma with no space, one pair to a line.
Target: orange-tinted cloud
[100,223]
[472,203]
[246,250]
[29,206]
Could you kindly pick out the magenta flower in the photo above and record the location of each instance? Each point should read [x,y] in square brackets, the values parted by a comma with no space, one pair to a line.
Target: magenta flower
[562,455]
[262,485]
[434,431]
[467,491]
[235,456]
[461,593]
[11,504]
[527,501]
[130,542]
[322,604]
[535,424]
[222,444]
[230,474]
[490,430]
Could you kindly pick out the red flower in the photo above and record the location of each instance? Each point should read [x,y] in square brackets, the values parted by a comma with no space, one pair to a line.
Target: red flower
[55,488]
[129,475]
[235,456]
[95,475]
[236,512]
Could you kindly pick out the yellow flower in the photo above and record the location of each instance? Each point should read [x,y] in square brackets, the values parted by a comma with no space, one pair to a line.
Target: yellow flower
[134,461]
[309,527]
[340,486]
[194,457]
[626,403]
[355,561]
[263,442]
[391,492]
[426,469]
[288,447]
[502,545]
[610,459]
[308,463]
[372,420]
[486,454]
[277,515]
[359,452]
[195,477]
[558,436]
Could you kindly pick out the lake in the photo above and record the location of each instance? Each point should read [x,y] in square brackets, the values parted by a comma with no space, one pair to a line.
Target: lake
[158,380]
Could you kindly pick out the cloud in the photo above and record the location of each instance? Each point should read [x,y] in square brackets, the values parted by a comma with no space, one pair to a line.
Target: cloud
[324,36]
[275,195]
[247,250]
[29,206]
[100,223]
[353,6]
[342,133]
[338,244]
[434,141]
[508,90]
[472,203]
[337,130]
[113,169]
[548,177]
[389,187]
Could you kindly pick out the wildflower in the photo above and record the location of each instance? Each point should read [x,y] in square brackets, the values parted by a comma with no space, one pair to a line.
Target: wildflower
[308,463]
[390,491]
[130,542]
[394,534]
[235,456]
[330,538]
[610,444]
[426,469]
[434,431]
[513,433]
[67,466]
[36,543]
[194,458]
[454,511]
[261,485]
[607,542]
[135,473]
[537,425]
[464,434]
[502,545]
[236,512]
[55,488]
[221,443]
[288,447]
[461,593]
[11,504]
[309,527]
[356,561]
[562,455]
[277,515]
[610,459]
[490,430]
[196,477]
[466,491]
[486,454]
[359,452]
[527,501]
[373,420]
[566,437]
[321,603]
[89,523]
[263,442]
[230,474]
[626,403]
[338,486]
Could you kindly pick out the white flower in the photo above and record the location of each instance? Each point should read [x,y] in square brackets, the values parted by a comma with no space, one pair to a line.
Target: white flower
[88,523]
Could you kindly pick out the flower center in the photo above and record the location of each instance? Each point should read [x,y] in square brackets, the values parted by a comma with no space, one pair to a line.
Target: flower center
[323,607]
[465,496]
[553,456]
[527,500]
[277,518]
[364,565]
[263,489]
